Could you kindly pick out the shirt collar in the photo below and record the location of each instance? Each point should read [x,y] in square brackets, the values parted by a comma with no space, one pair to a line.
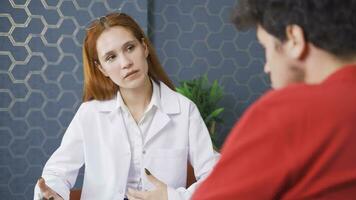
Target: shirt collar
[347,72]
[156,96]
[155,99]
[163,98]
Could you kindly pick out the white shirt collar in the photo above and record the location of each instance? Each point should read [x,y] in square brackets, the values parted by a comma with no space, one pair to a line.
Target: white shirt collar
[155,98]
[163,98]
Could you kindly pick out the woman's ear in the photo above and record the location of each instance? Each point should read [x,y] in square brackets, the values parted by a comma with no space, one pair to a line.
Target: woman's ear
[145,47]
[97,64]
[296,42]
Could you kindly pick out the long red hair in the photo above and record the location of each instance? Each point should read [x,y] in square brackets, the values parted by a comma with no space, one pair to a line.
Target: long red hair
[96,85]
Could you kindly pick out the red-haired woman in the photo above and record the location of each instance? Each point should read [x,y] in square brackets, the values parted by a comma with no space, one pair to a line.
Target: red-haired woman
[133,133]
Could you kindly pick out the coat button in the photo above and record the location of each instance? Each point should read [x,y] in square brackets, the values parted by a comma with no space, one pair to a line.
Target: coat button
[144,152]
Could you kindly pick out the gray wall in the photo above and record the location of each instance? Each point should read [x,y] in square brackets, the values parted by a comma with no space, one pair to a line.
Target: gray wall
[41,70]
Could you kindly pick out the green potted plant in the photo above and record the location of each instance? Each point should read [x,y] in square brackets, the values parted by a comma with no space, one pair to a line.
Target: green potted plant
[206,96]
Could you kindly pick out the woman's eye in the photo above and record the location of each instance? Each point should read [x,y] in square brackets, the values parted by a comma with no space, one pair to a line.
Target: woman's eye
[110,58]
[130,48]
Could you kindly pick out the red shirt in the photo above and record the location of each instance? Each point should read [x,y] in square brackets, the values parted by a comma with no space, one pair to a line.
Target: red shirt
[294,143]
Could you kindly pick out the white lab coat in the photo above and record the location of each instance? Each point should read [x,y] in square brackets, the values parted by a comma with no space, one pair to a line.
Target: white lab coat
[97,138]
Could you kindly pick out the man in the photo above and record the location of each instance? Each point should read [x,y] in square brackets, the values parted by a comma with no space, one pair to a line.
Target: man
[299,140]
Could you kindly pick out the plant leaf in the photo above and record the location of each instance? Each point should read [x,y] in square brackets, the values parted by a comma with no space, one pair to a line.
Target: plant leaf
[213,115]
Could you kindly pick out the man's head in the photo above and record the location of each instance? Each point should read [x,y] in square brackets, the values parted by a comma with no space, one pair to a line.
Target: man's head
[290,29]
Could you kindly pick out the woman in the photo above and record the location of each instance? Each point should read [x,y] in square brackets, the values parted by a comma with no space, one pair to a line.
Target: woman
[133,133]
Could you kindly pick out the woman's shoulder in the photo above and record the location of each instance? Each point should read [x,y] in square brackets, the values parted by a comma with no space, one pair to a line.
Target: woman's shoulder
[173,102]
[97,105]
[173,95]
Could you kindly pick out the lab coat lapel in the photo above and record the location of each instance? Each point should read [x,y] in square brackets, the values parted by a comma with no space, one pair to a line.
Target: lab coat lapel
[168,105]
[159,121]
[119,147]
[118,131]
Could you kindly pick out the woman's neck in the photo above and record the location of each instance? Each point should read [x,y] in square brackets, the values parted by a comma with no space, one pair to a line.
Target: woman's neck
[138,99]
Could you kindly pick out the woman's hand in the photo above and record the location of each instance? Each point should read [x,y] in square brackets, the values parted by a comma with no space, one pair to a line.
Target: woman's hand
[47,192]
[160,193]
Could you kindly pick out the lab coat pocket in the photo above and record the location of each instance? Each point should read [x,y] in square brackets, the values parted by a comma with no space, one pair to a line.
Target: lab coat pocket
[169,165]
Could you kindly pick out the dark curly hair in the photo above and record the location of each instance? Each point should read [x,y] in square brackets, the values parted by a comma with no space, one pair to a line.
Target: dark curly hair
[328,24]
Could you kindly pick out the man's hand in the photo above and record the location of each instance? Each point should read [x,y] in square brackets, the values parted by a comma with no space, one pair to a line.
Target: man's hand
[47,192]
[160,193]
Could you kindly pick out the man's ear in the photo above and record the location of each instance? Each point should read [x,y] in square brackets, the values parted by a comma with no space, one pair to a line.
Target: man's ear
[145,47]
[296,44]
[97,64]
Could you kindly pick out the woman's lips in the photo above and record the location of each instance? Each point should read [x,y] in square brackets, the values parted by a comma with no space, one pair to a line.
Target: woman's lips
[130,73]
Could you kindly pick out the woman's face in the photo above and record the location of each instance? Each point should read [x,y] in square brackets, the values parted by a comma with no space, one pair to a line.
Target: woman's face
[122,57]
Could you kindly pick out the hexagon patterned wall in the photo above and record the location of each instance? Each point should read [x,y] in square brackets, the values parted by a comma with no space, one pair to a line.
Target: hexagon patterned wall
[195,37]
[41,70]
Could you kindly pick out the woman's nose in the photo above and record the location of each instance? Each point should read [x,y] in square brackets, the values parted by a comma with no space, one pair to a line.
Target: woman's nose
[125,61]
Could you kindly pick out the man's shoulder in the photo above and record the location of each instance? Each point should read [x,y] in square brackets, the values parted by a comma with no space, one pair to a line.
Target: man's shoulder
[294,94]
